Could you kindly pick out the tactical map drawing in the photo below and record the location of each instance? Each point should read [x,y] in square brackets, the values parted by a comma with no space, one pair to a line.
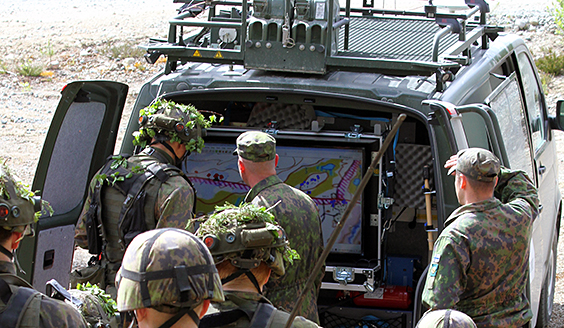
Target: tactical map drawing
[329,176]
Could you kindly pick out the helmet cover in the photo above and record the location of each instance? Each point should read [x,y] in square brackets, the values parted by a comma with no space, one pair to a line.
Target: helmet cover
[167,269]
[247,235]
[19,207]
[176,122]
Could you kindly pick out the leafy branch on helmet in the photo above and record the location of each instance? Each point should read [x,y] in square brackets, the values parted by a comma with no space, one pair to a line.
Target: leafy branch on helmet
[195,121]
[22,191]
[229,215]
[115,177]
[106,301]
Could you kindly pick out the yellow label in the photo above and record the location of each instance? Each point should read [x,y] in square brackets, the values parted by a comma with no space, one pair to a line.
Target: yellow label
[218,55]
[197,54]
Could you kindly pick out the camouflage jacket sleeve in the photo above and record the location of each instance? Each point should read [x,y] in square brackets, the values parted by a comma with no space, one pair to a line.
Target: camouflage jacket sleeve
[516,188]
[447,281]
[174,205]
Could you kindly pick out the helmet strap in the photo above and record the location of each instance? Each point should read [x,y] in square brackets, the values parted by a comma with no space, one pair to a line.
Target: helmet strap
[18,262]
[170,322]
[177,161]
[237,274]
[6,252]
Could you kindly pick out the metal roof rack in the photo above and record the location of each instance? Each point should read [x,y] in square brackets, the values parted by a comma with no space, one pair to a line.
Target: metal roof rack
[320,37]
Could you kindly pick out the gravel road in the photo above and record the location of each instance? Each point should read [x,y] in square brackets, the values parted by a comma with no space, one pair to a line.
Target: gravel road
[74,40]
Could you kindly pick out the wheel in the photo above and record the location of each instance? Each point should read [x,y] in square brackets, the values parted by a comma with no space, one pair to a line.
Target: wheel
[547,292]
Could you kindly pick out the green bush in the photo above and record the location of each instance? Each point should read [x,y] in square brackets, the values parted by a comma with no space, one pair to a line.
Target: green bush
[551,63]
[29,68]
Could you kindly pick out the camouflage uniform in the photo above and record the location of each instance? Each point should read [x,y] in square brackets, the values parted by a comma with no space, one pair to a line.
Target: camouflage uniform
[445,319]
[299,216]
[171,205]
[249,302]
[19,210]
[50,313]
[480,261]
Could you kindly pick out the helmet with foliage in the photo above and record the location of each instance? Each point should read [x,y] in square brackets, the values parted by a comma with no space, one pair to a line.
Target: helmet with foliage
[19,207]
[172,122]
[247,235]
[169,270]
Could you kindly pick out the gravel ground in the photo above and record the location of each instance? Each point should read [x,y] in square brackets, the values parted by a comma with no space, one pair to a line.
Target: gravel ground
[92,39]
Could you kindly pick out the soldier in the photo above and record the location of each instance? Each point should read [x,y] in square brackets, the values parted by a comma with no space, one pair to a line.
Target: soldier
[20,304]
[294,210]
[445,319]
[146,191]
[247,245]
[168,279]
[480,260]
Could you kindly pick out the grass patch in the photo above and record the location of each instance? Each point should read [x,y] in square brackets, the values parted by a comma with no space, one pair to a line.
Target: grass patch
[551,63]
[29,68]
[121,50]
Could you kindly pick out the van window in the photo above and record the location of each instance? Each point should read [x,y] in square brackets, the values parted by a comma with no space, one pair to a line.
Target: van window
[533,99]
[507,104]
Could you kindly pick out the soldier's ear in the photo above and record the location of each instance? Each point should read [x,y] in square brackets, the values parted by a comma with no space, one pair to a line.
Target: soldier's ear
[16,238]
[205,307]
[241,165]
[141,314]
[276,161]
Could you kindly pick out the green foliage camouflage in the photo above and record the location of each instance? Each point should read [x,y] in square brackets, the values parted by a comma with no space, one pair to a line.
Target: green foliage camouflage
[118,161]
[106,301]
[228,216]
[22,191]
[196,119]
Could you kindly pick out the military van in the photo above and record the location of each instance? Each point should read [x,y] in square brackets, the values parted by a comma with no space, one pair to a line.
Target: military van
[328,83]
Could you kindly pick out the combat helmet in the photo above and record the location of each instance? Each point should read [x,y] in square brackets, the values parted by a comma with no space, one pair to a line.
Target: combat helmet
[246,236]
[19,207]
[446,318]
[169,270]
[166,120]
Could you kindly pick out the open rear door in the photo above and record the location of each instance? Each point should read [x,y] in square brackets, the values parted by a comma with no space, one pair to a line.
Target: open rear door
[81,136]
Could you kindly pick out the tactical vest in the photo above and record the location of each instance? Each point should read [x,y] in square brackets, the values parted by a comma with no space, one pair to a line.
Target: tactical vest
[120,211]
[265,315]
[11,315]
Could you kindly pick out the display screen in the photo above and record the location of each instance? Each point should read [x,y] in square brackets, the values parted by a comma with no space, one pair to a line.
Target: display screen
[330,176]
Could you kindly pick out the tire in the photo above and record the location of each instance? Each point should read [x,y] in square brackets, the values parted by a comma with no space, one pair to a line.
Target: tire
[547,293]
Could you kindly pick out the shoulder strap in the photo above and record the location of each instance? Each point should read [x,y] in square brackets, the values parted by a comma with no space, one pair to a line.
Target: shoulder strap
[221,319]
[16,305]
[262,316]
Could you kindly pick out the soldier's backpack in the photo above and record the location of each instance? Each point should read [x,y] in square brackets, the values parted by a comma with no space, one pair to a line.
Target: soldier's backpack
[261,318]
[16,304]
[132,220]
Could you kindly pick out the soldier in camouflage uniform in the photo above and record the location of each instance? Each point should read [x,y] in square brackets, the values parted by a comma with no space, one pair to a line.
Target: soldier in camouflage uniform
[168,133]
[21,305]
[294,210]
[445,319]
[167,277]
[247,245]
[480,261]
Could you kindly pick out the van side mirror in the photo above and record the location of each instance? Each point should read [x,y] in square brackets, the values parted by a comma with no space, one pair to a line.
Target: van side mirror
[557,122]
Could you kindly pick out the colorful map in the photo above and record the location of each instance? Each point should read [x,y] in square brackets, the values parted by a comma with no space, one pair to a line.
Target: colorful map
[329,176]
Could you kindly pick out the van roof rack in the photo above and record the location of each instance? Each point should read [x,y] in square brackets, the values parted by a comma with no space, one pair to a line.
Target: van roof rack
[315,39]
